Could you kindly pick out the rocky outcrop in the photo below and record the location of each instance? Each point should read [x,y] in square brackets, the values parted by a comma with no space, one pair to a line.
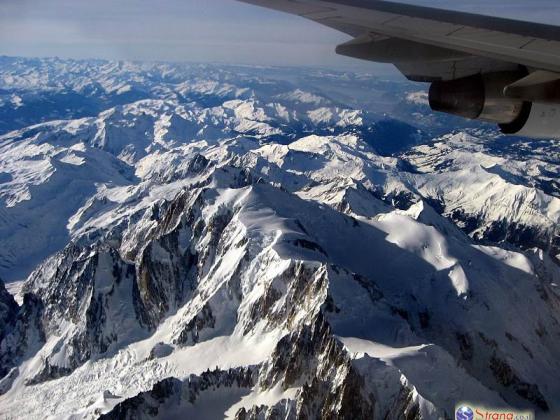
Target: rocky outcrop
[331,387]
[8,310]
[172,396]
[24,336]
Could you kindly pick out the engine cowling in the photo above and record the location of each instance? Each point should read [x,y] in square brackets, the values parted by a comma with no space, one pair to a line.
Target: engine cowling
[539,120]
[481,97]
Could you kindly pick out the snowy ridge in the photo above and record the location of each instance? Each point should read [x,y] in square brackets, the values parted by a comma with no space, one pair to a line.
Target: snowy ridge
[248,255]
[230,234]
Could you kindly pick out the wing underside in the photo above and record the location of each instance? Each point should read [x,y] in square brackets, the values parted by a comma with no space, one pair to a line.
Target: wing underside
[430,44]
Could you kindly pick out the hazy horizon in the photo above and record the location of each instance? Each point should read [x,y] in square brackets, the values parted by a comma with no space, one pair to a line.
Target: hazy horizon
[221,31]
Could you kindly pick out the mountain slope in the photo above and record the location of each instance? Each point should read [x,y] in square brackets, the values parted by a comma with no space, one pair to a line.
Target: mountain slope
[234,262]
[230,244]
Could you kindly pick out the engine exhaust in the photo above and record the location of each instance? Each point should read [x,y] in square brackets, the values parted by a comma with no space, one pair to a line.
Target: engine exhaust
[479,97]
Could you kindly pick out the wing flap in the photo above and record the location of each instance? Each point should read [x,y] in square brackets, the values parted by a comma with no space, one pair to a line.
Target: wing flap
[484,36]
[383,49]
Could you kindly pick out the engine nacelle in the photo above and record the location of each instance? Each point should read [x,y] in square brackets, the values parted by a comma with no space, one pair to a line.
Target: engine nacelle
[481,97]
[539,120]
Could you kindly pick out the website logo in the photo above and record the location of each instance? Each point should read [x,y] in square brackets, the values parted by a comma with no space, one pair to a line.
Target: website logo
[464,413]
[469,411]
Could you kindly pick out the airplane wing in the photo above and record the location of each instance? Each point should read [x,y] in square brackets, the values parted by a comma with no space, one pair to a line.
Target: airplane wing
[428,44]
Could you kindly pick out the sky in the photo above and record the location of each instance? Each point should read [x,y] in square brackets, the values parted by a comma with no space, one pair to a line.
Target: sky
[220,31]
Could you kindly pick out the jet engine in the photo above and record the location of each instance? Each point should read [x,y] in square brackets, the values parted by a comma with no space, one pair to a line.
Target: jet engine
[484,97]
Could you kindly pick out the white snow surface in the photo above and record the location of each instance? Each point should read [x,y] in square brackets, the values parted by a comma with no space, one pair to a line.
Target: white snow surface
[322,200]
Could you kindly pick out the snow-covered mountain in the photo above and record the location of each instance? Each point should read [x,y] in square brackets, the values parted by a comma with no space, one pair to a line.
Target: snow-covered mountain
[232,244]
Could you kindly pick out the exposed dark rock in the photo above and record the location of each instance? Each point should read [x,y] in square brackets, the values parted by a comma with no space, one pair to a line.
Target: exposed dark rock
[48,373]
[304,243]
[172,393]
[375,294]
[189,335]
[424,319]
[25,337]
[161,350]
[465,346]
[506,376]
[8,311]
[312,357]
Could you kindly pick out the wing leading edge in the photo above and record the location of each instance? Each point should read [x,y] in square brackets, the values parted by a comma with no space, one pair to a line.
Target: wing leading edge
[431,44]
